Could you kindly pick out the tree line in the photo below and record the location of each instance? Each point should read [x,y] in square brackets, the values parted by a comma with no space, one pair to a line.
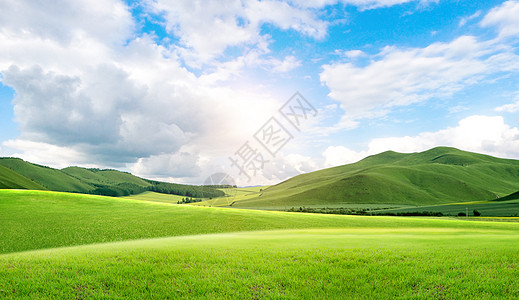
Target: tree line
[126,189]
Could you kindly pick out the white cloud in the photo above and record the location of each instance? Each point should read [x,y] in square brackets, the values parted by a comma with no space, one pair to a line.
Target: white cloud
[181,164]
[505,18]
[400,77]
[108,21]
[286,65]
[465,20]
[96,100]
[482,134]
[354,53]
[340,155]
[46,154]
[512,107]
[206,29]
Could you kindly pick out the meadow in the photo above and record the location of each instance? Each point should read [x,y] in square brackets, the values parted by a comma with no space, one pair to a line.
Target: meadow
[59,245]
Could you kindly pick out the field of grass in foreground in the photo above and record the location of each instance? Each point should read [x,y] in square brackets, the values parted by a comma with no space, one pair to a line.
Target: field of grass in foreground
[31,220]
[228,253]
[363,263]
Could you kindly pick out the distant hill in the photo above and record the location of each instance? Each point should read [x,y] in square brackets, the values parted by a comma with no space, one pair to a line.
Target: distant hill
[437,176]
[16,173]
[49,178]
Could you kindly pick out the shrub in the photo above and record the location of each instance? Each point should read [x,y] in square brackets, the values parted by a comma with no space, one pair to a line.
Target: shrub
[476,213]
[462,214]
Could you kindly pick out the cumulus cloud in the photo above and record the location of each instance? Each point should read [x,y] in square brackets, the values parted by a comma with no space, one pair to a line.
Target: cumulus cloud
[206,29]
[101,111]
[484,134]
[504,17]
[109,21]
[110,103]
[181,164]
[400,77]
[37,152]
[478,133]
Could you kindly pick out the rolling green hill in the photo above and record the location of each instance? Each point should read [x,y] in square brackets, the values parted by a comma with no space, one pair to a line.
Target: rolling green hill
[437,176]
[89,181]
[104,177]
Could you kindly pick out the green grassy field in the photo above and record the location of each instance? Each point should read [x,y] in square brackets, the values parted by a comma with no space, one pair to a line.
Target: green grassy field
[43,219]
[156,197]
[365,263]
[102,247]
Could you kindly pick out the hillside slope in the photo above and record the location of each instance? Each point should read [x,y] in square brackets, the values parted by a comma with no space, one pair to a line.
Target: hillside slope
[437,176]
[9,179]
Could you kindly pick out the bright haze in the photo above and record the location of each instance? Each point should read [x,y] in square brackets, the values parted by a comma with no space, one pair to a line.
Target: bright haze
[179,90]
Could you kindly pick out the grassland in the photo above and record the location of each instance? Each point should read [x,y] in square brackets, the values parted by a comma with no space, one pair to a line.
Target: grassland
[84,246]
[304,264]
[43,219]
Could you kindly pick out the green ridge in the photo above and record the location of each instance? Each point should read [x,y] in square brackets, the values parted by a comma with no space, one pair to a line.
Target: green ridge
[437,176]
[104,177]
[49,178]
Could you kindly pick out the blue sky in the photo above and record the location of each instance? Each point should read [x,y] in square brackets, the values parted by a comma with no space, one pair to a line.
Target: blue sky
[174,90]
